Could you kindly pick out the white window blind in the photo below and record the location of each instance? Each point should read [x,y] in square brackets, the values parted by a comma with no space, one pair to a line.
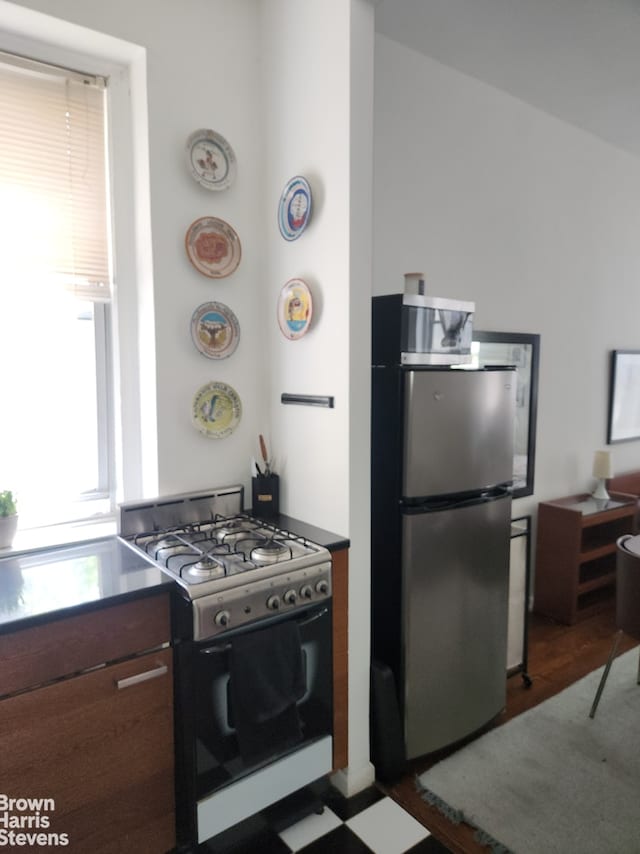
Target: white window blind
[53,175]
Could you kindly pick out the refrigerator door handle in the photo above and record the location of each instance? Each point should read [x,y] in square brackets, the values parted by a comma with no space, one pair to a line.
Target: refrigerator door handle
[433,505]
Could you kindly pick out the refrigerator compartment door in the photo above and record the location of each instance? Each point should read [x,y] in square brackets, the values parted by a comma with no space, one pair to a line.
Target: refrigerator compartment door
[458,431]
[455,585]
[436,331]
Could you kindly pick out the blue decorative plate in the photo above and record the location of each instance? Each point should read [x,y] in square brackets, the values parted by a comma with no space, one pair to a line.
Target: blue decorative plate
[294,210]
[215,330]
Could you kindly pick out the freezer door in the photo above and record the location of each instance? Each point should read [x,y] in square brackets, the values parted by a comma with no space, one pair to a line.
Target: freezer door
[455,585]
[458,431]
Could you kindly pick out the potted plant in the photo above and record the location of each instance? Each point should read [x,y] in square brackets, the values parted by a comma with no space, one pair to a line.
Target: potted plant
[8,518]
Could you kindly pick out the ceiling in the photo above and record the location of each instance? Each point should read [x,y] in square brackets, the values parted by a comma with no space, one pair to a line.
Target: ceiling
[576,59]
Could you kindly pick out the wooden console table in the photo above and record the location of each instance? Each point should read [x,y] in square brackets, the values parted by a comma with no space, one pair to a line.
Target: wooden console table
[575,570]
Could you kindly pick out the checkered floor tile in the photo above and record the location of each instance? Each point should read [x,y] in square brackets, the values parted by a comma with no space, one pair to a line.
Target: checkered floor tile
[322,821]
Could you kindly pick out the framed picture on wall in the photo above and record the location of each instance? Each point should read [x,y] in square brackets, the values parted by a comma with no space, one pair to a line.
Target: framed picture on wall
[624,396]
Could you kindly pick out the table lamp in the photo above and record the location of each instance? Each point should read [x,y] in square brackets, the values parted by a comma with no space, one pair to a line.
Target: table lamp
[602,469]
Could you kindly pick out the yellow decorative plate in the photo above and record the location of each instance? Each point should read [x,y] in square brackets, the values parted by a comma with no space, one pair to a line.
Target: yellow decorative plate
[216,410]
[295,308]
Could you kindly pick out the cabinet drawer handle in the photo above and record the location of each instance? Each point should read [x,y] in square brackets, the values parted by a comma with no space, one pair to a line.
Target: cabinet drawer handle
[142,677]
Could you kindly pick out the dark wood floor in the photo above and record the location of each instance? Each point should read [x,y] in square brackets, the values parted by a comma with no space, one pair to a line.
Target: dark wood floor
[558,656]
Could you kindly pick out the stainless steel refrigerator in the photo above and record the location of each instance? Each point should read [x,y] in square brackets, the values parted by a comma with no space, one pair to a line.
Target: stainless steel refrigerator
[442,460]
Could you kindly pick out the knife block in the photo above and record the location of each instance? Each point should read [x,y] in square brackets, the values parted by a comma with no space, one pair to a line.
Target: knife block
[265,495]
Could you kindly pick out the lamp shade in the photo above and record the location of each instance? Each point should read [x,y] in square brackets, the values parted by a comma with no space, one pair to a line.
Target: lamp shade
[602,464]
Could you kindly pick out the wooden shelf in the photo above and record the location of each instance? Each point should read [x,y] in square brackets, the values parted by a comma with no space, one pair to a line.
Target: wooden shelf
[575,570]
[595,554]
[596,583]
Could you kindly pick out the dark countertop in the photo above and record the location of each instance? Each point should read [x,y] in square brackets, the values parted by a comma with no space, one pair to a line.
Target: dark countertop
[47,584]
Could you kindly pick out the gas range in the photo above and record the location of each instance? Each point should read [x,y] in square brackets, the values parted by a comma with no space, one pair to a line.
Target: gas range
[233,567]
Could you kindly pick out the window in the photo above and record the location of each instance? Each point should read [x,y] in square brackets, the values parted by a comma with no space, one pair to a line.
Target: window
[56,432]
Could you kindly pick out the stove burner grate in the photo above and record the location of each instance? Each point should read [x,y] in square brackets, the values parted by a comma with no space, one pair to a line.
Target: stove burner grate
[219,547]
[270,551]
[205,567]
[235,526]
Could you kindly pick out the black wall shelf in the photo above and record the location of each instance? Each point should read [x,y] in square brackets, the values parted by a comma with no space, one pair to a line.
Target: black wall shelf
[308,400]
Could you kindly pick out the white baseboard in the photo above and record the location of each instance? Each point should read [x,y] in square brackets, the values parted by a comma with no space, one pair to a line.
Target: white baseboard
[349,781]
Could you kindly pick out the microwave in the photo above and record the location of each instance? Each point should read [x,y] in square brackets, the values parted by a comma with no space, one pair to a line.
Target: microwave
[415,329]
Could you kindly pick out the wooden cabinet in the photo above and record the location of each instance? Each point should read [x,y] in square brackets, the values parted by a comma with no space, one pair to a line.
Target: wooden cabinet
[98,743]
[340,585]
[575,569]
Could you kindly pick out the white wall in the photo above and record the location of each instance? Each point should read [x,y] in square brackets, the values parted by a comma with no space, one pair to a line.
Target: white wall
[289,84]
[306,124]
[311,101]
[533,219]
[360,773]
[202,71]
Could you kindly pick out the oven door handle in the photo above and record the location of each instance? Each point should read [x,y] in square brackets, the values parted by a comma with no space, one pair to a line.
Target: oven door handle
[313,618]
[216,650]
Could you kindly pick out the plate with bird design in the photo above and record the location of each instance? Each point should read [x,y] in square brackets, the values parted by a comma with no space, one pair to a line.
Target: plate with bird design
[215,330]
[216,410]
[210,159]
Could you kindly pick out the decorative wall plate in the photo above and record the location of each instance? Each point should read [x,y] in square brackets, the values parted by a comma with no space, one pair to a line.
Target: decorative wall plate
[213,247]
[211,159]
[294,210]
[295,308]
[215,330]
[216,410]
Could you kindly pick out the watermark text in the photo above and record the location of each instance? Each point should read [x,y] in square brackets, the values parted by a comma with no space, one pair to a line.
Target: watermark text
[23,820]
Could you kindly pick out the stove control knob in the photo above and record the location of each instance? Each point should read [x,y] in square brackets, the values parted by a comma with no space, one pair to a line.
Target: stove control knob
[222,618]
[307,591]
[322,587]
[273,603]
[290,597]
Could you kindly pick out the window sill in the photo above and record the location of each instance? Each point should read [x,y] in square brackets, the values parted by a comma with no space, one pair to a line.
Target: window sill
[33,539]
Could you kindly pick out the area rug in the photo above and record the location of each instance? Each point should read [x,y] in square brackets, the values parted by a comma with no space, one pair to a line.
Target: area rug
[552,780]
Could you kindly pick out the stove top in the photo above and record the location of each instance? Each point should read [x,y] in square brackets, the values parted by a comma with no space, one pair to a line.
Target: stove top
[206,556]
[235,568]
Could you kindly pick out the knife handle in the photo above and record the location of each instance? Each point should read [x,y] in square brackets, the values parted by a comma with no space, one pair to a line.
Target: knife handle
[263,448]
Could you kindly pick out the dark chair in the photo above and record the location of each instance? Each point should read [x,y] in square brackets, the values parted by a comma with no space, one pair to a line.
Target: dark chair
[627,602]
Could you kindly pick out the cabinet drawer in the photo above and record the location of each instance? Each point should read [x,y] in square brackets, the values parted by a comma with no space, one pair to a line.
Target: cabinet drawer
[39,654]
[100,745]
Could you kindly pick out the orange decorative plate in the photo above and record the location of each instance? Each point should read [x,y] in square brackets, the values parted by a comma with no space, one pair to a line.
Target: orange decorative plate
[213,247]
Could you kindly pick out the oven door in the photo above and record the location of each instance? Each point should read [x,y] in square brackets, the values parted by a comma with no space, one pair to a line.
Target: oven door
[230,763]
